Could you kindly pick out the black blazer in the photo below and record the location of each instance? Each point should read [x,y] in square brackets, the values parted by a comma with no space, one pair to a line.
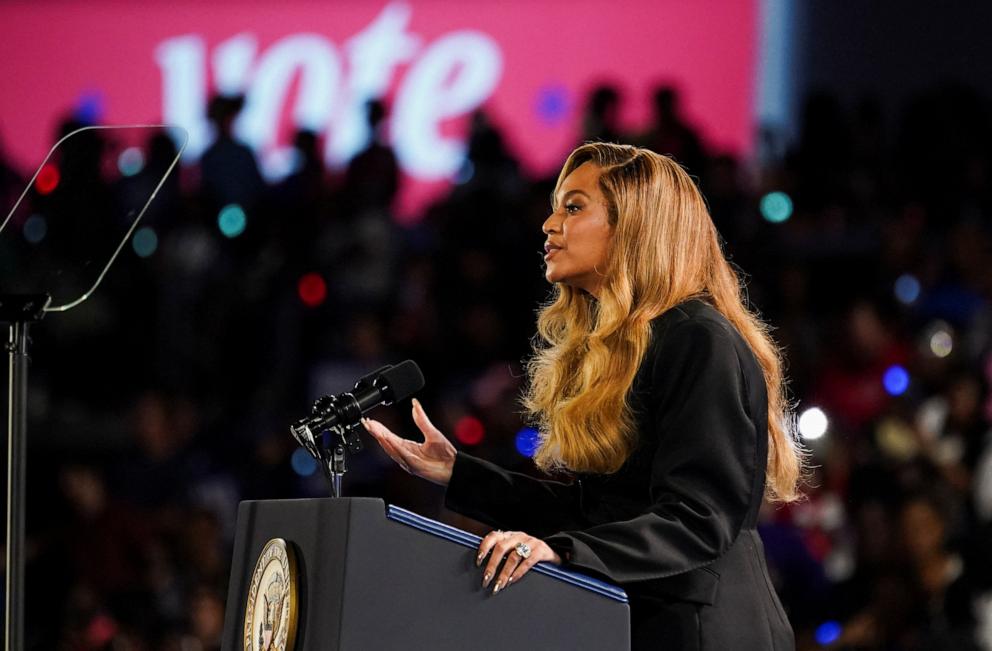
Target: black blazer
[675,526]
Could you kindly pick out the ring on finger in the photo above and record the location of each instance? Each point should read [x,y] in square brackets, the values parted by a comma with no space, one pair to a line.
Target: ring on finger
[523,550]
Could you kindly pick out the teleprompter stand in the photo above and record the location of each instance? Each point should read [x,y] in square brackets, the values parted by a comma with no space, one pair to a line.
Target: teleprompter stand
[58,255]
[18,312]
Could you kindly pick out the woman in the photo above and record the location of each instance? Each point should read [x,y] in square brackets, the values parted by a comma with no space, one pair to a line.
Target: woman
[660,395]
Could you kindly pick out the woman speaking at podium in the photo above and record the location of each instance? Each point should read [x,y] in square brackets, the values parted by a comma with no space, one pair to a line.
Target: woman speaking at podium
[660,396]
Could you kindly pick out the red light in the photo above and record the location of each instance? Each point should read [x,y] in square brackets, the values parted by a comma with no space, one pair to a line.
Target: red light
[312,289]
[469,430]
[47,180]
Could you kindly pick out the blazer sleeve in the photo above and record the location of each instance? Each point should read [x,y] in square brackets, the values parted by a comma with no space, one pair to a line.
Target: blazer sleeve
[511,500]
[703,470]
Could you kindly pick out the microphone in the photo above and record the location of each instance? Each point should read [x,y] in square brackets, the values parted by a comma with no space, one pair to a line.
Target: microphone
[342,411]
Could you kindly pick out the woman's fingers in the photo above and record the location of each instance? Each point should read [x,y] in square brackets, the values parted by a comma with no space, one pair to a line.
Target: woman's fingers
[523,567]
[424,424]
[491,546]
[513,559]
[501,546]
[433,459]
[487,544]
[391,444]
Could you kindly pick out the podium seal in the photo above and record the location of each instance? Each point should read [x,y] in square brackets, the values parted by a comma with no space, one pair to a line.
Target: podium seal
[272,604]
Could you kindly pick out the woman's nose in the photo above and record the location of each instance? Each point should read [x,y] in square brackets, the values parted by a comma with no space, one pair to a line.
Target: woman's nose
[551,225]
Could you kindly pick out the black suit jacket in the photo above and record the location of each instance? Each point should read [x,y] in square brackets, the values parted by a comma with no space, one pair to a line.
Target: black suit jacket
[675,526]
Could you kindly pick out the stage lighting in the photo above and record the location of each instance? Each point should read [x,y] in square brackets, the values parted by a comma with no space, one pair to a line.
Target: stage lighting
[776,207]
[941,343]
[145,241]
[527,441]
[312,289]
[35,229]
[813,424]
[47,179]
[907,289]
[469,430]
[232,220]
[303,464]
[828,632]
[896,380]
[131,161]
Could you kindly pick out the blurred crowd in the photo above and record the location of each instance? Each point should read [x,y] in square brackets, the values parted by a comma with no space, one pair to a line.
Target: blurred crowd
[158,405]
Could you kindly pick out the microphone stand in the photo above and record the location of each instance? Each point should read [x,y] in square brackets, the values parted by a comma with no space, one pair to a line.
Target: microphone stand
[335,440]
[338,439]
[18,311]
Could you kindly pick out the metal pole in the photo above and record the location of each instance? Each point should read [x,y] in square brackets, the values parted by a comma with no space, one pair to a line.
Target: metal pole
[17,379]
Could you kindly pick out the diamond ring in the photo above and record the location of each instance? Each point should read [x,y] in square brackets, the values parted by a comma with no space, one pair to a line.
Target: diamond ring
[523,550]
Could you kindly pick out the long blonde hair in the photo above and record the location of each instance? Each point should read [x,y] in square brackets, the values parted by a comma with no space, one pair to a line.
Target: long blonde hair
[664,250]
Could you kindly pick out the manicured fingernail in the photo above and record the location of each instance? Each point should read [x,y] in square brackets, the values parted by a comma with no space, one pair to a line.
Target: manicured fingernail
[509,581]
[496,589]
[478,560]
[485,580]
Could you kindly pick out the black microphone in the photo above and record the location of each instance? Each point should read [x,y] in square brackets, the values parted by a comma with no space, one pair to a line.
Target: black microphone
[380,387]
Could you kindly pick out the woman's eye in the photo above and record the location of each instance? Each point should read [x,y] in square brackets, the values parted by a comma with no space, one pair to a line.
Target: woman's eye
[571,208]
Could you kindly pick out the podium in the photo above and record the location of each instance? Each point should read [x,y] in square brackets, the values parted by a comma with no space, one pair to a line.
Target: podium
[368,577]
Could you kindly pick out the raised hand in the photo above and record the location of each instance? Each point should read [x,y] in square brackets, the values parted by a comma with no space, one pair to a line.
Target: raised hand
[432,459]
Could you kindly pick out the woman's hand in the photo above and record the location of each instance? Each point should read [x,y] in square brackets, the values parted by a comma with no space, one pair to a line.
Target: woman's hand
[432,460]
[513,546]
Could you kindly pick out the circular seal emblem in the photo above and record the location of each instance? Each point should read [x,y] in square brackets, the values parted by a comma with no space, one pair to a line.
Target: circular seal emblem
[272,603]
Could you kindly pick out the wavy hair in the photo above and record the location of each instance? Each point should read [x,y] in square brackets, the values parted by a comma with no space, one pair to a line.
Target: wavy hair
[664,250]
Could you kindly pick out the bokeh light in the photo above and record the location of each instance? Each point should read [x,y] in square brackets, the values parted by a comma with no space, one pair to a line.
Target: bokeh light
[813,424]
[131,161]
[552,104]
[907,289]
[465,173]
[35,229]
[91,106]
[776,207]
[941,343]
[312,289]
[469,430]
[47,179]
[828,632]
[527,441]
[303,464]
[896,380]
[145,241]
[232,220]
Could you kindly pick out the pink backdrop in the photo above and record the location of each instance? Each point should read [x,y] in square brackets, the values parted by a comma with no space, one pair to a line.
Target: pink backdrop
[538,61]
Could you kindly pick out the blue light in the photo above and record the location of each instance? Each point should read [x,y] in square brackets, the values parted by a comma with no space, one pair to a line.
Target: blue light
[776,207]
[90,107]
[35,229]
[232,220]
[145,241]
[552,104]
[896,380]
[465,173]
[907,289]
[828,633]
[528,440]
[303,464]
[131,161]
